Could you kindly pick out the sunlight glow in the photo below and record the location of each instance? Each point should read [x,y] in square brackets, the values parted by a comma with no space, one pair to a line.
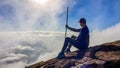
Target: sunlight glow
[42,2]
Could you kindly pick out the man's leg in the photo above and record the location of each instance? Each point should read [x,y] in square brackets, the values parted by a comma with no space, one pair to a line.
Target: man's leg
[66,44]
[61,54]
[70,45]
[67,41]
[68,48]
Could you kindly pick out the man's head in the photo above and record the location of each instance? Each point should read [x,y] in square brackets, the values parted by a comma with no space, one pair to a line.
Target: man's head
[82,22]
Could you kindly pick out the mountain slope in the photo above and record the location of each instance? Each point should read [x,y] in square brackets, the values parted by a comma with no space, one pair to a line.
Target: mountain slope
[106,55]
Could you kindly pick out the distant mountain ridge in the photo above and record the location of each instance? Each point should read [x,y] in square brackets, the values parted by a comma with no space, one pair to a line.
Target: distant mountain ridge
[106,55]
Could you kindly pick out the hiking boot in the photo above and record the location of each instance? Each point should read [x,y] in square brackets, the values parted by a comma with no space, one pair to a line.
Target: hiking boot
[60,55]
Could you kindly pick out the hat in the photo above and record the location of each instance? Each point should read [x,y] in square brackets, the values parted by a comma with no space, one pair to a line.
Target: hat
[83,20]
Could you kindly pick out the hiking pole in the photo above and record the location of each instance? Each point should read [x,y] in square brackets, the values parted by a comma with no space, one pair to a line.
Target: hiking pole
[66,21]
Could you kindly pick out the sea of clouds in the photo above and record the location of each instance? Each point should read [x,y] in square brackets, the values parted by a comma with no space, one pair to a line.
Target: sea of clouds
[22,48]
[19,49]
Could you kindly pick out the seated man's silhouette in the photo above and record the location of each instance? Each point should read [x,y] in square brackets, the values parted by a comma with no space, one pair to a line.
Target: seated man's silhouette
[81,42]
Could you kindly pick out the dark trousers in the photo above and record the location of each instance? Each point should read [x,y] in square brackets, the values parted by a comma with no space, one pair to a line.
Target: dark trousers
[70,42]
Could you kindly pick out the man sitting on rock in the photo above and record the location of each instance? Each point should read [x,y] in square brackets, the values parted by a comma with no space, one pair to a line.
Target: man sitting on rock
[81,42]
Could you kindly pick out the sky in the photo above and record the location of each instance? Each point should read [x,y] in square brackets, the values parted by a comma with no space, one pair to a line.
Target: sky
[29,15]
[100,14]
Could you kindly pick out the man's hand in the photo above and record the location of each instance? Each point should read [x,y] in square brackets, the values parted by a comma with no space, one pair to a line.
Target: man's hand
[73,37]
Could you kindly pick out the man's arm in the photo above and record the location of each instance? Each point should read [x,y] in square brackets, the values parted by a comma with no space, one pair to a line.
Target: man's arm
[73,29]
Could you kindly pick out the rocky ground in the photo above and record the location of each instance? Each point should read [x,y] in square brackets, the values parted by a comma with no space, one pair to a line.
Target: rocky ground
[106,55]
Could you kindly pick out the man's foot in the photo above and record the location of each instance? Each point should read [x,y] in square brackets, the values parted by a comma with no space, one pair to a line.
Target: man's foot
[60,55]
[67,50]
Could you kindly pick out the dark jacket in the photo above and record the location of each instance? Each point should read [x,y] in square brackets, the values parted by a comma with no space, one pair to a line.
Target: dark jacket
[83,37]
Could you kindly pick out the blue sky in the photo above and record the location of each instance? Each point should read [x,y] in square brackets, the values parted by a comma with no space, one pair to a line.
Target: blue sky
[100,14]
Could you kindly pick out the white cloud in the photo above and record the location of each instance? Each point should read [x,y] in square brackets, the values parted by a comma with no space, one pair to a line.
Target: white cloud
[20,64]
[19,47]
[107,35]
[27,46]
[13,58]
[29,15]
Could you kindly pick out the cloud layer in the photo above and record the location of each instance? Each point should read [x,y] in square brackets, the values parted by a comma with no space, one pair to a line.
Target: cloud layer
[25,48]
[107,35]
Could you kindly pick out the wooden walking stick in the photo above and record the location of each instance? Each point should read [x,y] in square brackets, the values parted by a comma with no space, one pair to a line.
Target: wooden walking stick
[66,21]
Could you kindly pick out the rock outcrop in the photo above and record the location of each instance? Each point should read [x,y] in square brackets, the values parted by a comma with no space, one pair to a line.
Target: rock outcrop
[106,55]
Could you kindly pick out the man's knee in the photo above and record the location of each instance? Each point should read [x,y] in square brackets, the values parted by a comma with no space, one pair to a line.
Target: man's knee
[67,38]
